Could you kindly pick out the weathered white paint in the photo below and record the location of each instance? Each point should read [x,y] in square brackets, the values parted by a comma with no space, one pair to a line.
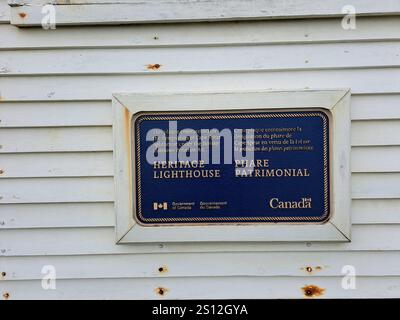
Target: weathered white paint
[56,139]
[375,211]
[4,12]
[57,215]
[201,60]
[45,190]
[101,87]
[375,132]
[378,159]
[293,264]
[203,34]
[98,113]
[55,114]
[56,150]
[373,107]
[151,11]
[197,288]
[101,240]
[56,164]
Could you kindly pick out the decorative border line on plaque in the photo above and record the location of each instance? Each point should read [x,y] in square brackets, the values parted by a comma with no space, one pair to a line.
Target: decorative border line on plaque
[276,114]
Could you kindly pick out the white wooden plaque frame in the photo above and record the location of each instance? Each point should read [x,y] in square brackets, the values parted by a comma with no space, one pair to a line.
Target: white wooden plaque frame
[337,228]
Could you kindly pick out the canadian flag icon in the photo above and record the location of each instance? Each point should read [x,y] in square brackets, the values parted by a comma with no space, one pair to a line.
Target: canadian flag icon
[160,205]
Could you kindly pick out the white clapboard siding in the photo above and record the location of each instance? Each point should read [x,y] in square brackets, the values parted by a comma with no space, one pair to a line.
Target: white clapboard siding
[96,87]
[375,159]
[330,7]
[101,240]
[84,214]
[57,188]
[4,12]
[56,215]
[375,185]
[374,107]
[57,164]
[369,211]
[43,190]
[14,140]
[202,34]
[201,288]
[204,59]
[294,264]
[52,114]
[379,132]
[98,113]
[161,11]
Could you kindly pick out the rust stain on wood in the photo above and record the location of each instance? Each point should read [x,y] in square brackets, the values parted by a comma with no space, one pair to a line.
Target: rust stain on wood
[6,295]
[22,15]
[312,291]
[127,124]
[310,269]
[127,140]
[155,66]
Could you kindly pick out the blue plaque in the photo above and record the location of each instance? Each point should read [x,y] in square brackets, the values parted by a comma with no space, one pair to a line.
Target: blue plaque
[231,167]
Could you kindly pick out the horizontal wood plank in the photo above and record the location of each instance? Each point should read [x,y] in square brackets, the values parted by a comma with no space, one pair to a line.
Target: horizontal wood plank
[173,265]
[375,159]
[376,132]
[4,13]
[218,288]
[15,140]
[98,241]
[47,190]
[98,113]
[57,215]
[52,114]
[374,107]
[186,11]
[375,185]
[205,59]
[372,211]
[201,34]
[58,164]
[56,88]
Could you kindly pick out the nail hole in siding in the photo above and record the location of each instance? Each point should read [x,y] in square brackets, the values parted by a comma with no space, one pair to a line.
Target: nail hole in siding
[161,291]
[162,269]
